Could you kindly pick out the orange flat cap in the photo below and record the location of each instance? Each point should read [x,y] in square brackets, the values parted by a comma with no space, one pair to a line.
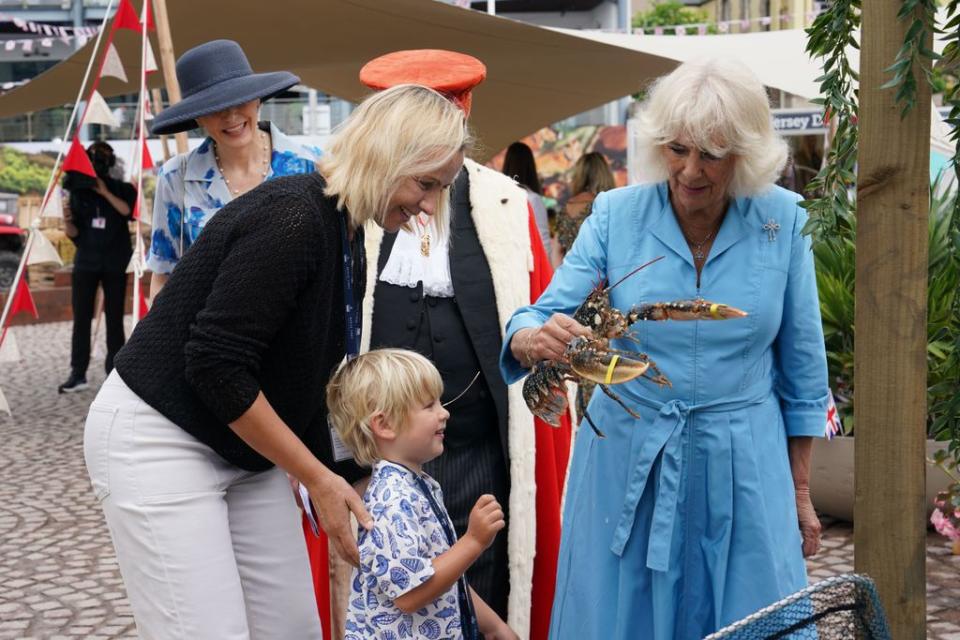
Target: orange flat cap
[448,72]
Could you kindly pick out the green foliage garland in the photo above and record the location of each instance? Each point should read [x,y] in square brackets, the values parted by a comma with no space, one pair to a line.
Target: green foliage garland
[828,37]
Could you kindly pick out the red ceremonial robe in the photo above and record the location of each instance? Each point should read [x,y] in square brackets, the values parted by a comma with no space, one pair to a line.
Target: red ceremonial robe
[552,455]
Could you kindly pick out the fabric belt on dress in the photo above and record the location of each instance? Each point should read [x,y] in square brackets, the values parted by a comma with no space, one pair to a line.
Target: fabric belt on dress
[666,436]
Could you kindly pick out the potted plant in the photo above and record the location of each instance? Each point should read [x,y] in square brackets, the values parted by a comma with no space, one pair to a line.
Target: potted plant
[832,472]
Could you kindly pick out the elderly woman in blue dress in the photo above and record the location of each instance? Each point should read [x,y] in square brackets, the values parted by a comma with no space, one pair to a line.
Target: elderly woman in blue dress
[222,95]
[697,513]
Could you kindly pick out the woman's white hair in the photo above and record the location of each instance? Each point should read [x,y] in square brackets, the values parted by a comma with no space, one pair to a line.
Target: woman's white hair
[404,131]
[720,105]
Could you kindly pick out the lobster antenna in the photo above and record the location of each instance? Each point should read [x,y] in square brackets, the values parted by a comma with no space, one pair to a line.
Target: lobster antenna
[643,266]
[460,395]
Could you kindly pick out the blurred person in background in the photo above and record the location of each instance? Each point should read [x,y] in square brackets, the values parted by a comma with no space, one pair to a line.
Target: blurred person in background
[591,176]
[520,165]
[95,219]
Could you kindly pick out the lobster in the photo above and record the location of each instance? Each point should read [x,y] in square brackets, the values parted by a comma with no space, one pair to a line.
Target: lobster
[589,361]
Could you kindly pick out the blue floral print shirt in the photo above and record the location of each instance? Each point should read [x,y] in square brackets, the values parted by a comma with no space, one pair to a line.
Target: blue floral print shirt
[396,556]
[201,192]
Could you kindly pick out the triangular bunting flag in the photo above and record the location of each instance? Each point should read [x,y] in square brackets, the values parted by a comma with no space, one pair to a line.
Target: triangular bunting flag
[126,17]
[43,251]
[54,206]
[78,160]
[147,110]
[151,61]
[112,65]
[9,352]
[3,404]
[150,24]
[22,300]
[133,266]
[98,112]
[143,305]
[139,252]
[146,160]
[144,215]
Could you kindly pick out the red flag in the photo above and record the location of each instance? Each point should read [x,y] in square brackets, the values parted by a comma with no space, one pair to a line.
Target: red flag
[136,208]
[22,300]
[552,454]
[145,159]
[150,24]
[126,17]
[78,160]
[143,305]
[318,552]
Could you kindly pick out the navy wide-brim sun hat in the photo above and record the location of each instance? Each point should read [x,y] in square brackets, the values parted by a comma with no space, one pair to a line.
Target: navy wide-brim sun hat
[215,76]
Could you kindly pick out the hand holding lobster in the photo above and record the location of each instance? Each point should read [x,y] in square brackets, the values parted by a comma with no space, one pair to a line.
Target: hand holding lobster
[547,342]
[578,349]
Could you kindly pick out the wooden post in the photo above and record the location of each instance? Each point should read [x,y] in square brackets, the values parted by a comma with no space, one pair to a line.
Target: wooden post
[157,101]
[890,366]
[167,62]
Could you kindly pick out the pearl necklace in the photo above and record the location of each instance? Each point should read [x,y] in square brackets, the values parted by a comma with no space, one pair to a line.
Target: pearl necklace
[266,162]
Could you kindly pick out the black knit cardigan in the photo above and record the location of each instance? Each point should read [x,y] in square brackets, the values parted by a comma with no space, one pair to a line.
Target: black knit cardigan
[256,304]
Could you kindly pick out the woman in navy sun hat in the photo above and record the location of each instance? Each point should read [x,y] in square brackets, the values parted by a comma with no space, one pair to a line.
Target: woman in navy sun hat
[221,94]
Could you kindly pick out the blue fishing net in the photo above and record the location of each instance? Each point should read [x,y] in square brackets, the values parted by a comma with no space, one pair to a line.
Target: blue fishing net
[844,607]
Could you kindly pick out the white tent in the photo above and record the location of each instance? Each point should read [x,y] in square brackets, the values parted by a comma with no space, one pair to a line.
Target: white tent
[536,76]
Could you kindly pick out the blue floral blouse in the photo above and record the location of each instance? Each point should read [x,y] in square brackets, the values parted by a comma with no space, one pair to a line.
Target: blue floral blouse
[396,556]
[202,192]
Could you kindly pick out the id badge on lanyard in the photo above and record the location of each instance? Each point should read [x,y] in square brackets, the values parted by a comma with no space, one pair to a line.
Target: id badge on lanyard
[98,221]
[353,328]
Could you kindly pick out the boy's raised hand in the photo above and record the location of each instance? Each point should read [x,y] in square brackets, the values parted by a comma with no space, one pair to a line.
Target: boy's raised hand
[486,519]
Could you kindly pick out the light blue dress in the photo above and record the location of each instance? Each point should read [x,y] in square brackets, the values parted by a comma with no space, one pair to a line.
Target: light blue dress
[684,521]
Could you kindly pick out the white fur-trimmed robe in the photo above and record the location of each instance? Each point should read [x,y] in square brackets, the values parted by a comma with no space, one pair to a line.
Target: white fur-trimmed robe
[501,217]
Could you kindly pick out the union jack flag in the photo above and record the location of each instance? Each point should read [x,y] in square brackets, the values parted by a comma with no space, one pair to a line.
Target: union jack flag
[834,426]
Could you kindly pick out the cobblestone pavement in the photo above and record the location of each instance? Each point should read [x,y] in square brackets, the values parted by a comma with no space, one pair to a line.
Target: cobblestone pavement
[58,573]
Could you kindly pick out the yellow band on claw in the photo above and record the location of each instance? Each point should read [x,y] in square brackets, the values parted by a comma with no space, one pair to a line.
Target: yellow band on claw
[713,311]
[610,368]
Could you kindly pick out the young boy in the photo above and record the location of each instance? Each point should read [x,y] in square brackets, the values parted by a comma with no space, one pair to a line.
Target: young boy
[385,405]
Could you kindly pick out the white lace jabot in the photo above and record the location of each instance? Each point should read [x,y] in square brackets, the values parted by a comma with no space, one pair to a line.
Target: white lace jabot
[407,267]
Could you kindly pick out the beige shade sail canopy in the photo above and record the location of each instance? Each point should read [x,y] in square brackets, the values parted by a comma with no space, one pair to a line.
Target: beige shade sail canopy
[535,76]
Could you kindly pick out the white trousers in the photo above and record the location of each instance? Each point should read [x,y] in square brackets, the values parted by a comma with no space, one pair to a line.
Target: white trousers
[206,549]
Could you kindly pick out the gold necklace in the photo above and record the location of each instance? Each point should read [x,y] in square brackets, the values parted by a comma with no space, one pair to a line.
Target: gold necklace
[266,162]
[424,234]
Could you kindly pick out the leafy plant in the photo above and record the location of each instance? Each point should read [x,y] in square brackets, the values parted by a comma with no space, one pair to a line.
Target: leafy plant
[836,265]
[24,173]
[922,15]
[671,14]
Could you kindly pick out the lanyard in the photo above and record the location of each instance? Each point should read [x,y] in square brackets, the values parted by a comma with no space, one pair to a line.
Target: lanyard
[468,618]
[351,308]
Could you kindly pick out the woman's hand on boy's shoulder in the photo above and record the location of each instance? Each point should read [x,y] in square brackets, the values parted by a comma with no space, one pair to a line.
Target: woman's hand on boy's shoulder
[334,499]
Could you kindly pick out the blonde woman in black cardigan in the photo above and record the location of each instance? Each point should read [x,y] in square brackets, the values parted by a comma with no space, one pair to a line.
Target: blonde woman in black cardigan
[219,392]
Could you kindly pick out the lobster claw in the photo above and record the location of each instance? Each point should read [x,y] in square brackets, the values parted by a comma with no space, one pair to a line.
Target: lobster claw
[606,367]
[545,394]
